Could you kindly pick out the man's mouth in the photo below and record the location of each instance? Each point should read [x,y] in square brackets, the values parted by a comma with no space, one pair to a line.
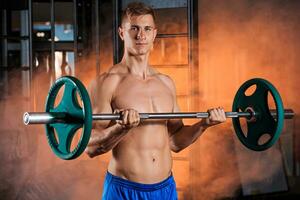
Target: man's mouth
[140,43]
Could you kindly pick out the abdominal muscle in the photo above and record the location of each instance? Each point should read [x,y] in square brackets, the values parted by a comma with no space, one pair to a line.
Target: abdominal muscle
[143,155]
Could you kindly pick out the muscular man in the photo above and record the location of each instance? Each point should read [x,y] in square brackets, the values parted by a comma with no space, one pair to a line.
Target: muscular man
[141,163]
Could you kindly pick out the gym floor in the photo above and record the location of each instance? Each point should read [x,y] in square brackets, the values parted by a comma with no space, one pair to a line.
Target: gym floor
[209,47]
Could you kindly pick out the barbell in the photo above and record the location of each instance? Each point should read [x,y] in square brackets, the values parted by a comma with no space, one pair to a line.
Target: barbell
[68,116]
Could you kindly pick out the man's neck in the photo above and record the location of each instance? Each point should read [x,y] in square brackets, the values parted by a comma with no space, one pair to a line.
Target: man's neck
[137,65]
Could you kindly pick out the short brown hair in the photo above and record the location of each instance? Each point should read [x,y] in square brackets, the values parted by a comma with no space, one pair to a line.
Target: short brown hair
[137,9]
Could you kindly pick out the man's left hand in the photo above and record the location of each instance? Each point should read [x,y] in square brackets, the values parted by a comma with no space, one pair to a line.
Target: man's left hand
[216,116]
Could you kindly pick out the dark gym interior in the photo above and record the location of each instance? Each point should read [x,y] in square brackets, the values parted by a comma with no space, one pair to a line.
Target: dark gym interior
[208,47]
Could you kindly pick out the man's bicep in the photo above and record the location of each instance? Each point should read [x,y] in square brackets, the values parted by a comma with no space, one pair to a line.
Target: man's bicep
[174,124]
[103,106]
[92,90]
[101,100]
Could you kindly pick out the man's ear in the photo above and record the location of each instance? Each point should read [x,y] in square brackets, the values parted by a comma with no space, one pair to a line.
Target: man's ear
[121,33]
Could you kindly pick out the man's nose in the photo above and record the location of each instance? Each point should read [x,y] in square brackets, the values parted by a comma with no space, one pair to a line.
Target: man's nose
[141,34]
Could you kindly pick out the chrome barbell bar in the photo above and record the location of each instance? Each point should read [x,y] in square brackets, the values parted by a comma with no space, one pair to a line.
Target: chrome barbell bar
[61,117]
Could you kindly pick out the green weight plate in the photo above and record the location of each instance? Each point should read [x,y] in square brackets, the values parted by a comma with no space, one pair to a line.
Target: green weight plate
[76,118]
[264,123]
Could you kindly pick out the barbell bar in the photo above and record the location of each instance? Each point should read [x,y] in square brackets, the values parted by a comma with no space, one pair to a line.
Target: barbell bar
[61,117]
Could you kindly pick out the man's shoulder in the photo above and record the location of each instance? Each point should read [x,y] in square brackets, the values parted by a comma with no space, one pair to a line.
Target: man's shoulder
[114,74]
[107,80]
[166,79]
[117,70]
[163,77]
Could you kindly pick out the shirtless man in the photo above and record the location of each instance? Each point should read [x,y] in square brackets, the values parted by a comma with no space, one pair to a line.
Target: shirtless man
[141,163]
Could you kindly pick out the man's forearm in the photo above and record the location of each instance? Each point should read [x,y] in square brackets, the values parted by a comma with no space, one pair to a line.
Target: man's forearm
[187,135]
[104,140]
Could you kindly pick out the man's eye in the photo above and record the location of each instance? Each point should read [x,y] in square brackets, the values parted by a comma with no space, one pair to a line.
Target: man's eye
[148,29]
[134,28]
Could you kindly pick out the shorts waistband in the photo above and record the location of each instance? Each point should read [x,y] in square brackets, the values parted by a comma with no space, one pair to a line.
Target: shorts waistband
[139,186]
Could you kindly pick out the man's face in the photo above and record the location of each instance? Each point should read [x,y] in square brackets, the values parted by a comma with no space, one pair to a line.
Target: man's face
[138,34]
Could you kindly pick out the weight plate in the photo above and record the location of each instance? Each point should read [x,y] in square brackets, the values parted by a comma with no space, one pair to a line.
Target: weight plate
[76,117]
[264,123]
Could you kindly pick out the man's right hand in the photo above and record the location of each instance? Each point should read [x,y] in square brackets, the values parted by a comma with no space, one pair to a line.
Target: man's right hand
[130,118]
[102,141]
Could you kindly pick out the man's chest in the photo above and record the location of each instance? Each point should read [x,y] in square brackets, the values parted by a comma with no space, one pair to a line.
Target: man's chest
[143,96]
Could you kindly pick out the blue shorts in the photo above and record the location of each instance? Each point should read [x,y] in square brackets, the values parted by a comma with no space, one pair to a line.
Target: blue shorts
[117,188]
